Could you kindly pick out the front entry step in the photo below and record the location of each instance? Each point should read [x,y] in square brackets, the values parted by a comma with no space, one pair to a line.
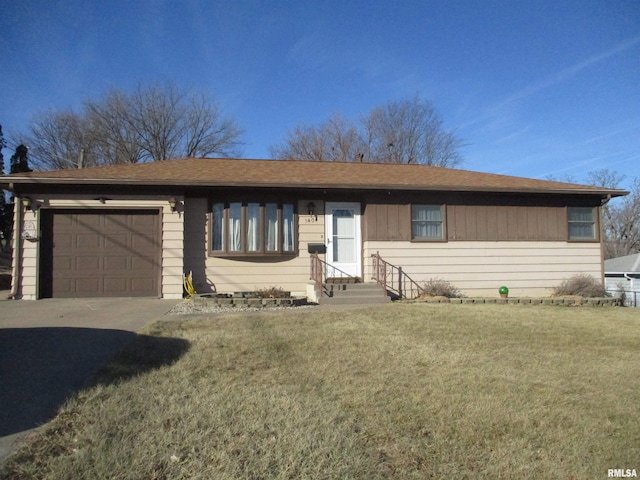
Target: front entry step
[353,294]
[342,280]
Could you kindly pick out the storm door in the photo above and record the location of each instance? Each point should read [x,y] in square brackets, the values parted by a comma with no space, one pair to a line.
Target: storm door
[344,247]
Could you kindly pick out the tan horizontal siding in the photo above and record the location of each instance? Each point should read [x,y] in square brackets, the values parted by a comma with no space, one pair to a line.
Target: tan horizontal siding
[28,272]
[172,251]
[480,268]
[172,262]
[172,237]
[229,275]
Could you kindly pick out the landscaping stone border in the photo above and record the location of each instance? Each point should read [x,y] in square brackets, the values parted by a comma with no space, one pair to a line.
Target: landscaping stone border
[248,302]
[209,304]
[574,301]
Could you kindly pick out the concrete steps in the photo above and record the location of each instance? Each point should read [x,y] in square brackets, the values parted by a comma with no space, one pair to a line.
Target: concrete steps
[354,294]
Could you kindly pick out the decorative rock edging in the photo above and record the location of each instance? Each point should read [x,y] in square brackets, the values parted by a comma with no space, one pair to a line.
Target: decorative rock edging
[200,305]
[574,301]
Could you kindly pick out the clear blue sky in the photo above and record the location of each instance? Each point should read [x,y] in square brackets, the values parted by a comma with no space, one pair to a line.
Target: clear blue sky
[535,88]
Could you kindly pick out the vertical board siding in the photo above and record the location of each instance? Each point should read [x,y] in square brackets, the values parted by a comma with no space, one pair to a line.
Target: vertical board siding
[480,268]
[506,223]
[386,221]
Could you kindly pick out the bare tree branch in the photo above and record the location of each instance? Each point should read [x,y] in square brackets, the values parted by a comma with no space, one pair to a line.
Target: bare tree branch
[408,131]
[155,122]
[621,216]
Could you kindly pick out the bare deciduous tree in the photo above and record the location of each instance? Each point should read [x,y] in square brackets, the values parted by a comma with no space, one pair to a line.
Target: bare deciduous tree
[621,216]
[605,178]
[334,140]
[408,131]
[154,122]
[61,140]
[114,131]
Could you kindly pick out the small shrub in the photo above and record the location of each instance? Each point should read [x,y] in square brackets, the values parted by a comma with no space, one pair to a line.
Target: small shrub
[582,285]
[272,292]
[438,287]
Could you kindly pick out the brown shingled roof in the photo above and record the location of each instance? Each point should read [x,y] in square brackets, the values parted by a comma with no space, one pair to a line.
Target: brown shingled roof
[297,174]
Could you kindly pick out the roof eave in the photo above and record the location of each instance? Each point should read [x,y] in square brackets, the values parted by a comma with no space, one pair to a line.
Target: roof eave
[322,186]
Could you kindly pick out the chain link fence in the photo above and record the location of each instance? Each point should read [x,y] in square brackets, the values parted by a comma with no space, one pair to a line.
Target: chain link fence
[630,298]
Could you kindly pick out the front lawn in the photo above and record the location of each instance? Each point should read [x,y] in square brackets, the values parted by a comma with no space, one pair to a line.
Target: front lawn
[400,391]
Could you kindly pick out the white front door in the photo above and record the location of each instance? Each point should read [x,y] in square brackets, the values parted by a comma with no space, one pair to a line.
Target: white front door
[344,247]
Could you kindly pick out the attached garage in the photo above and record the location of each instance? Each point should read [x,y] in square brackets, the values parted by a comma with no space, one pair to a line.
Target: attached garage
[100,253]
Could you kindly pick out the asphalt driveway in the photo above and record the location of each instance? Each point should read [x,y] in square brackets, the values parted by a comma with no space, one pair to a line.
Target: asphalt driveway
[50,348]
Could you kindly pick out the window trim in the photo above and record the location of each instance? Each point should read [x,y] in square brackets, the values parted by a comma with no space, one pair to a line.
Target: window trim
[443,215]
[262,251]
[595,215]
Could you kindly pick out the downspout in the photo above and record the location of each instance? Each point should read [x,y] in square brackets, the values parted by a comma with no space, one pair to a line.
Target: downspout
[632,288]
[17,244]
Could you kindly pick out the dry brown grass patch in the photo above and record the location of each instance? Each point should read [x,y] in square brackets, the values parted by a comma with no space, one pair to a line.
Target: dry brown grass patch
[401,391]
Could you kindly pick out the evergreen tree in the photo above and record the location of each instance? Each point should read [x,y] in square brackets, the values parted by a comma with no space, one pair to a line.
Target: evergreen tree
[20,160]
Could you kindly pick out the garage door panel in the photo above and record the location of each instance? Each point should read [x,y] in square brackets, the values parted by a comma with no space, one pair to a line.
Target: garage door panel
[142,243]
[63,264]
[117,264]
[143,222]
[102,253]
[91,240]
[62,285]
[64,219]
[87,263]
[117,242]
[64,241]
[117,286]
[87,285]
[92,222]
[143,263]
[141,284]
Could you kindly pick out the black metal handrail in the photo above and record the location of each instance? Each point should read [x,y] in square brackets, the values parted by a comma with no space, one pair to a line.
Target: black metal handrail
[393,279]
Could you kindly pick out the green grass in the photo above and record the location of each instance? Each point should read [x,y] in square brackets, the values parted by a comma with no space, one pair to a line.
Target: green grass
[401,391]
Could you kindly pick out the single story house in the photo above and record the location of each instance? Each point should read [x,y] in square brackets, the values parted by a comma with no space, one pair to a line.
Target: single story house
[242,225]
[622,276]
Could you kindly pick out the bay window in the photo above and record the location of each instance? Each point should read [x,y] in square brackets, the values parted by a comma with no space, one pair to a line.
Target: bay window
[252,228]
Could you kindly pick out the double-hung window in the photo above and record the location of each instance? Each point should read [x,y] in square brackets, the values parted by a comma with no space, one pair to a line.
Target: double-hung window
[427,222]
[582,223]
[252,228]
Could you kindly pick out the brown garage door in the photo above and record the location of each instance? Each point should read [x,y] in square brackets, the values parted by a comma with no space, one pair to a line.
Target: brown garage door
[112,253]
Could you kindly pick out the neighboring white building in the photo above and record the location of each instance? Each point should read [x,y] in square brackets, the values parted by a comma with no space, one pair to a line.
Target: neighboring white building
[622,276]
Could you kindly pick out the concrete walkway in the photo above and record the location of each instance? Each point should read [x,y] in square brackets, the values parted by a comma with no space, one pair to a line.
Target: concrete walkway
[50,348]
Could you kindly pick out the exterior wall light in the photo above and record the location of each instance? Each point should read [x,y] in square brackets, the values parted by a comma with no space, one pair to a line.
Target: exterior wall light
[26,203]
[172,203]
[311,208]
